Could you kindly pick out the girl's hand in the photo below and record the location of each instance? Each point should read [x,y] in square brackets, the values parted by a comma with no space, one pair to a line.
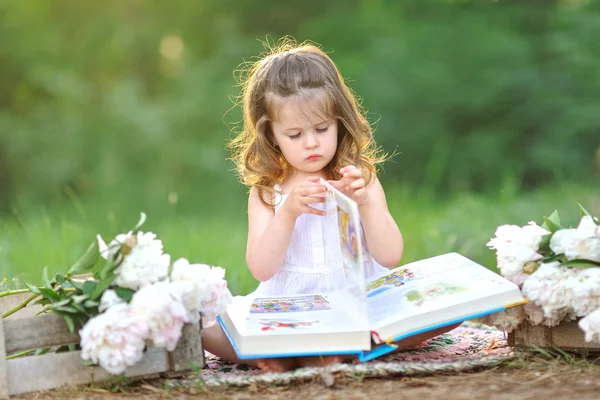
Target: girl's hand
[299,200]
[352,184]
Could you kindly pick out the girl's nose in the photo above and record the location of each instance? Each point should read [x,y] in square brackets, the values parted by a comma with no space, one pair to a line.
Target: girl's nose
[311,141]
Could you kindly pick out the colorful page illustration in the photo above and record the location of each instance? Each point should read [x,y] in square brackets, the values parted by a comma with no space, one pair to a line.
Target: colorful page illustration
[289,304]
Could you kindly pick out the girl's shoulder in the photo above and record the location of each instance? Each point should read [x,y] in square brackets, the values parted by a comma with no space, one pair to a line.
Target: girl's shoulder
[268,196]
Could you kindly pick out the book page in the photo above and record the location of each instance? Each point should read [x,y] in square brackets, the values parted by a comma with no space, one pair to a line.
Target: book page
[430,285]
[351,247]
[300,314]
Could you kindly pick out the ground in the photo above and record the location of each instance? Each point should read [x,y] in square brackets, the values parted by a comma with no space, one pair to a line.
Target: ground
[537,377]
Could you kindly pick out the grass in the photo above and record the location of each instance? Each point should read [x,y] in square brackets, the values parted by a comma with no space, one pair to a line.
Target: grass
[56,235]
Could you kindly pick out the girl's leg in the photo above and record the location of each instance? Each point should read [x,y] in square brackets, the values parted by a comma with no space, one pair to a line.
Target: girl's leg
[421,337]
[216,342]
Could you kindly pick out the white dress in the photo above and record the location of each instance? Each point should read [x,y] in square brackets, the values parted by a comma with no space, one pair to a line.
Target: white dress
[313,261]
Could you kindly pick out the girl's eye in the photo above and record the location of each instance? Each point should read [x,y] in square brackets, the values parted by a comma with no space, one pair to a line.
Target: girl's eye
[322,130]
[296,136]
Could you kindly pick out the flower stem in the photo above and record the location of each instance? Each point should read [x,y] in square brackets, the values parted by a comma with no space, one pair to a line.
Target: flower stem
[22,353]
[11,292]
[20,306]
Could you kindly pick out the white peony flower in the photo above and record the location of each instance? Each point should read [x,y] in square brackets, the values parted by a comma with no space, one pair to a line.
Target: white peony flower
[109,298]
[546,287]
[582,243]
[584,290]
[507,320]
[114,339]
[536,316]
[515,247]
[163,312]
[591,326]
[144,262]
[208,293]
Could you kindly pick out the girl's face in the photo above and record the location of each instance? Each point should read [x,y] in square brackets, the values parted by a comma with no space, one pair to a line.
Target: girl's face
[308,141]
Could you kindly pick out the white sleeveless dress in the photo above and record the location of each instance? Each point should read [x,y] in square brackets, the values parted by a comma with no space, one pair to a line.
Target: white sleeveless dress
[313,261]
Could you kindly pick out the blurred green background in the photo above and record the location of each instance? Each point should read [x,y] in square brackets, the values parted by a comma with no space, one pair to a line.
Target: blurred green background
[112,108]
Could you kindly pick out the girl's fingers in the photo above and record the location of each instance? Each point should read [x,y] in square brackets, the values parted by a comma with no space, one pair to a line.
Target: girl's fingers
[360,193]
[314,211]
[312,190]
[313,199]
[347,168]
[353,174]
[357,184]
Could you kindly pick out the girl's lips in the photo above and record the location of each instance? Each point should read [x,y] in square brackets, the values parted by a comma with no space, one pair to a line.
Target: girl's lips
[313,157]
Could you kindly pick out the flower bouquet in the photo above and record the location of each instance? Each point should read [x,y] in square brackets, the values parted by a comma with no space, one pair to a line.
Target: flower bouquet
[136,298]
[557,269]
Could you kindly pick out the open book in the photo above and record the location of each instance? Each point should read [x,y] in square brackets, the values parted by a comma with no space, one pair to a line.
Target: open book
[365,317]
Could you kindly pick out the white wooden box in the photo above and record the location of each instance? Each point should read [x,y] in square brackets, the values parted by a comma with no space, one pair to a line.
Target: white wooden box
[565,336]
[23,331]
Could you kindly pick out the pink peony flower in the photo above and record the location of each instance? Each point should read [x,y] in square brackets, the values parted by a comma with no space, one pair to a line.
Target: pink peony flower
[547,288]
[115,339]
[208,293]
[507,320]
[163,312]
[591,326]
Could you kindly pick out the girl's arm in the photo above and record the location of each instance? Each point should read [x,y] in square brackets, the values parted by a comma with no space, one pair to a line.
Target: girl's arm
[269,233]
[384,239]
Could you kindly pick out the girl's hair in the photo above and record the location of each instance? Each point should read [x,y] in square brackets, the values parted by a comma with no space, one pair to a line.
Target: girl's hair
[290,70]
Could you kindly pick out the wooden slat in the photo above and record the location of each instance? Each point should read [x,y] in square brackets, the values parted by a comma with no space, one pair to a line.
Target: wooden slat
[188,351]
[533,335]
[3,365]
[28,374]
[566,336]
[36,332]
[569,336]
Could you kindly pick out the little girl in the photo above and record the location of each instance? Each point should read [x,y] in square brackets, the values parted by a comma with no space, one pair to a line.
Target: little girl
[302,123]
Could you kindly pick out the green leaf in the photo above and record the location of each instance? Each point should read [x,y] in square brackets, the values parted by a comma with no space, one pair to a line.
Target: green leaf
[67,309]
[63,349]
[42,351]
[59,279]
[87,261]
[101,287]
[545,243]
[33,289]
[88,287]
[554,217]
[45,278]
[90,304]
[581,263]
[79,308]
[553,257]
[584,212]
[140,223]
[50,294]
[70,323]
[124,293]
[551,223]
[42,301]
[61,303]
[80,298]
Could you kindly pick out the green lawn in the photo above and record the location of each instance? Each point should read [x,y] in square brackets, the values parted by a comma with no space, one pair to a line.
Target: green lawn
[55,236]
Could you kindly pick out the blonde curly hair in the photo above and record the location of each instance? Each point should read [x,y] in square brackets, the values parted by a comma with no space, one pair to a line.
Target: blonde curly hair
[305,71]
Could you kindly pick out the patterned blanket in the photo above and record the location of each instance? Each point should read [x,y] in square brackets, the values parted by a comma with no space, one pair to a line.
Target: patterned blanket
[465,348]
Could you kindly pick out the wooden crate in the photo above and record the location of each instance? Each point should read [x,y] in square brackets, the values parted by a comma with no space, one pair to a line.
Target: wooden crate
[23,331]
[566,336]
